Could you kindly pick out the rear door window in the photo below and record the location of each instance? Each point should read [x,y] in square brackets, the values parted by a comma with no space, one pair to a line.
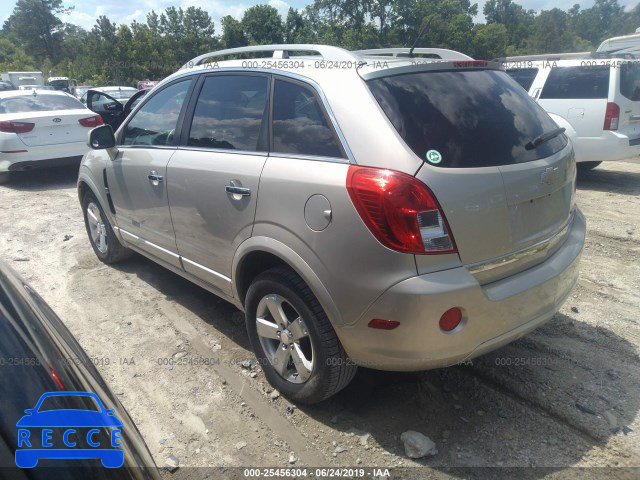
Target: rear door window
[300,125]
[229,113]
[630,80]
[589,82]
[524,76]
[462,119]
[39,103]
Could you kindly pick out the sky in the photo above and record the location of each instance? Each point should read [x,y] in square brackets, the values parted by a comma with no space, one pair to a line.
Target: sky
[86,12]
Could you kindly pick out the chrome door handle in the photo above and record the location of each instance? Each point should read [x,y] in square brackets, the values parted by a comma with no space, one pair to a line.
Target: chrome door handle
[238,190]
[155,178]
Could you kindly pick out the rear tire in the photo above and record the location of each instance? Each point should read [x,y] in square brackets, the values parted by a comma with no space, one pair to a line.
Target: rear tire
[293,339]
[103,240]
[586,166]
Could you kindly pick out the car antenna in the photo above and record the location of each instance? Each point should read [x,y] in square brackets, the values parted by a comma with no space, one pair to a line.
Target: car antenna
[424,27]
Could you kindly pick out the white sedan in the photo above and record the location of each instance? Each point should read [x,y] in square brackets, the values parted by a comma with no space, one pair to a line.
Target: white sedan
[42,128]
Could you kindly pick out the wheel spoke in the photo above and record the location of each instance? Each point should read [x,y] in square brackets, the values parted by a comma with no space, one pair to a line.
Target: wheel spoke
[267,329]
[93,216]
[103,243]
[280,360]
[301,364]
[298,329]
[274,304]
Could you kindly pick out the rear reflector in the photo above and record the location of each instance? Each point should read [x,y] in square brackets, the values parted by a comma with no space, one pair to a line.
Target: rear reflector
[381,324]
[611,117]
[450,319]
[91,122]
[400,211]
[16,127]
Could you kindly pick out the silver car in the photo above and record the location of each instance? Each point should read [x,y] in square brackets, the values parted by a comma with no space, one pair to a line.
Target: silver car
[373,208]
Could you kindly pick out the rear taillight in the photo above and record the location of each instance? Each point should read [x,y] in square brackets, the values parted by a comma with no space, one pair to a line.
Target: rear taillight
[612,116]
[16,127]
[400,211]
[91,122]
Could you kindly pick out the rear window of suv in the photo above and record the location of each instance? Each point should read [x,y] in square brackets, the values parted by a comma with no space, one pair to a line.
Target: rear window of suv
[577,82]
[474,118]
[524,76]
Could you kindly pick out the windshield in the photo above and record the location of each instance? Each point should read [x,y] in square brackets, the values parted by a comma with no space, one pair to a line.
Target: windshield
[461,119]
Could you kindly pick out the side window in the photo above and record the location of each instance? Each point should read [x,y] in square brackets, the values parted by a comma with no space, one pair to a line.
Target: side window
[524,76]
[630,80]
[155,122]
[229,112]
[299,123]
[577,82]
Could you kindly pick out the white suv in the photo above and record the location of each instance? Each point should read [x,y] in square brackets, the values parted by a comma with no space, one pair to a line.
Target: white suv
[596,100]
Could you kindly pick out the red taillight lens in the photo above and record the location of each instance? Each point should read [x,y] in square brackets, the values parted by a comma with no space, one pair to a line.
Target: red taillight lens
[400,211]
[612,116]
[450,319]
[91,122]
[16,127]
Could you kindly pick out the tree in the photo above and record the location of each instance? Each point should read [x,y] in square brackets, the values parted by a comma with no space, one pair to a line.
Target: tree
[13,57]
[232,33]
[34,23]
[262,25]
[489,41]
[517,21]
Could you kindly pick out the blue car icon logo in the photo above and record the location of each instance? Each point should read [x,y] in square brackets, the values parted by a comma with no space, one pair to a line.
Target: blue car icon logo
[54,430]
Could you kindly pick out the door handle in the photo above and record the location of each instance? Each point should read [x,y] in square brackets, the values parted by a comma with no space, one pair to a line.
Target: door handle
[635,117]
[238,190]
[155,178]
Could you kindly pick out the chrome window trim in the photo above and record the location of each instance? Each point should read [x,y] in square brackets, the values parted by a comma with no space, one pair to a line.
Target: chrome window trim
[496,268]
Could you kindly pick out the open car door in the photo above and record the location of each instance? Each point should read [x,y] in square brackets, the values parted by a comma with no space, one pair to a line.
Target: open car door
[110,109]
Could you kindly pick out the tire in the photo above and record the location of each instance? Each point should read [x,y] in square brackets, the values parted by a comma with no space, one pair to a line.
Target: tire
[586,166]
[313,366]
[103,240]
[5,177]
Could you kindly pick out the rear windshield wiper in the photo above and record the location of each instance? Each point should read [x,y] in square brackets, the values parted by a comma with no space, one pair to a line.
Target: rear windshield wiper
[545,137]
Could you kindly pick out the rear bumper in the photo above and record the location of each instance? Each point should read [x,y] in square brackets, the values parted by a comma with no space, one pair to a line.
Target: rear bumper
[43,156]
[609,146]
[493,314]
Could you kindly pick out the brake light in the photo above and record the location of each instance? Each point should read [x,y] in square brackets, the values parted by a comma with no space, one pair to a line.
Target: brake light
[16,127]
[399,210]
[91,122]
[611,117]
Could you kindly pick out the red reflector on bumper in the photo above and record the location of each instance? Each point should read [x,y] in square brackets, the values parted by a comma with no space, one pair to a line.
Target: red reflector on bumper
[381,324]
[450,319]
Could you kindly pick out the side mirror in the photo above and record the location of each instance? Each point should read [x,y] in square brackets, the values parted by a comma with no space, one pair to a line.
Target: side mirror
[109,411]
[29,411]
[101,137]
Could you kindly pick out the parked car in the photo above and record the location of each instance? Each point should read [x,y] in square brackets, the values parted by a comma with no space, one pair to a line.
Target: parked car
[43,366]
[81,90]
[35,87]
[596,99]
[146,84]
[42,128]
[403,215]
[6,86]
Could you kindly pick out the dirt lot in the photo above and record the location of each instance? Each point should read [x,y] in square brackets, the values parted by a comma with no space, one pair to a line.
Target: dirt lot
[567,395]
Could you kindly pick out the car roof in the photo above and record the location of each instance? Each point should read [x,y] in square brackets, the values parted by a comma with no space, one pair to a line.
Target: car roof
[25,93]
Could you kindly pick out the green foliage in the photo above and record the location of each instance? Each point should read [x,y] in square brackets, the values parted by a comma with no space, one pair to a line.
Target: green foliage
[34,36]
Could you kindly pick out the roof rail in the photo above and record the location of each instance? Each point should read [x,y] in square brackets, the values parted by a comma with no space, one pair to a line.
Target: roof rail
[279,51]
[442,53]
[564,56]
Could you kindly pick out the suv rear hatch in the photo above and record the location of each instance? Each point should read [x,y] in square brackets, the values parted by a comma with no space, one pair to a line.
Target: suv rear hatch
[628,99]
[507,203]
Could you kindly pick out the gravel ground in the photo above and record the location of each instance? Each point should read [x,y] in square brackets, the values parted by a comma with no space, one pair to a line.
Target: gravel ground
[566,395]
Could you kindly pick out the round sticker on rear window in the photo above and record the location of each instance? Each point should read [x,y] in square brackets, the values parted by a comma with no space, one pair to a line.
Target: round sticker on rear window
[433,156]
